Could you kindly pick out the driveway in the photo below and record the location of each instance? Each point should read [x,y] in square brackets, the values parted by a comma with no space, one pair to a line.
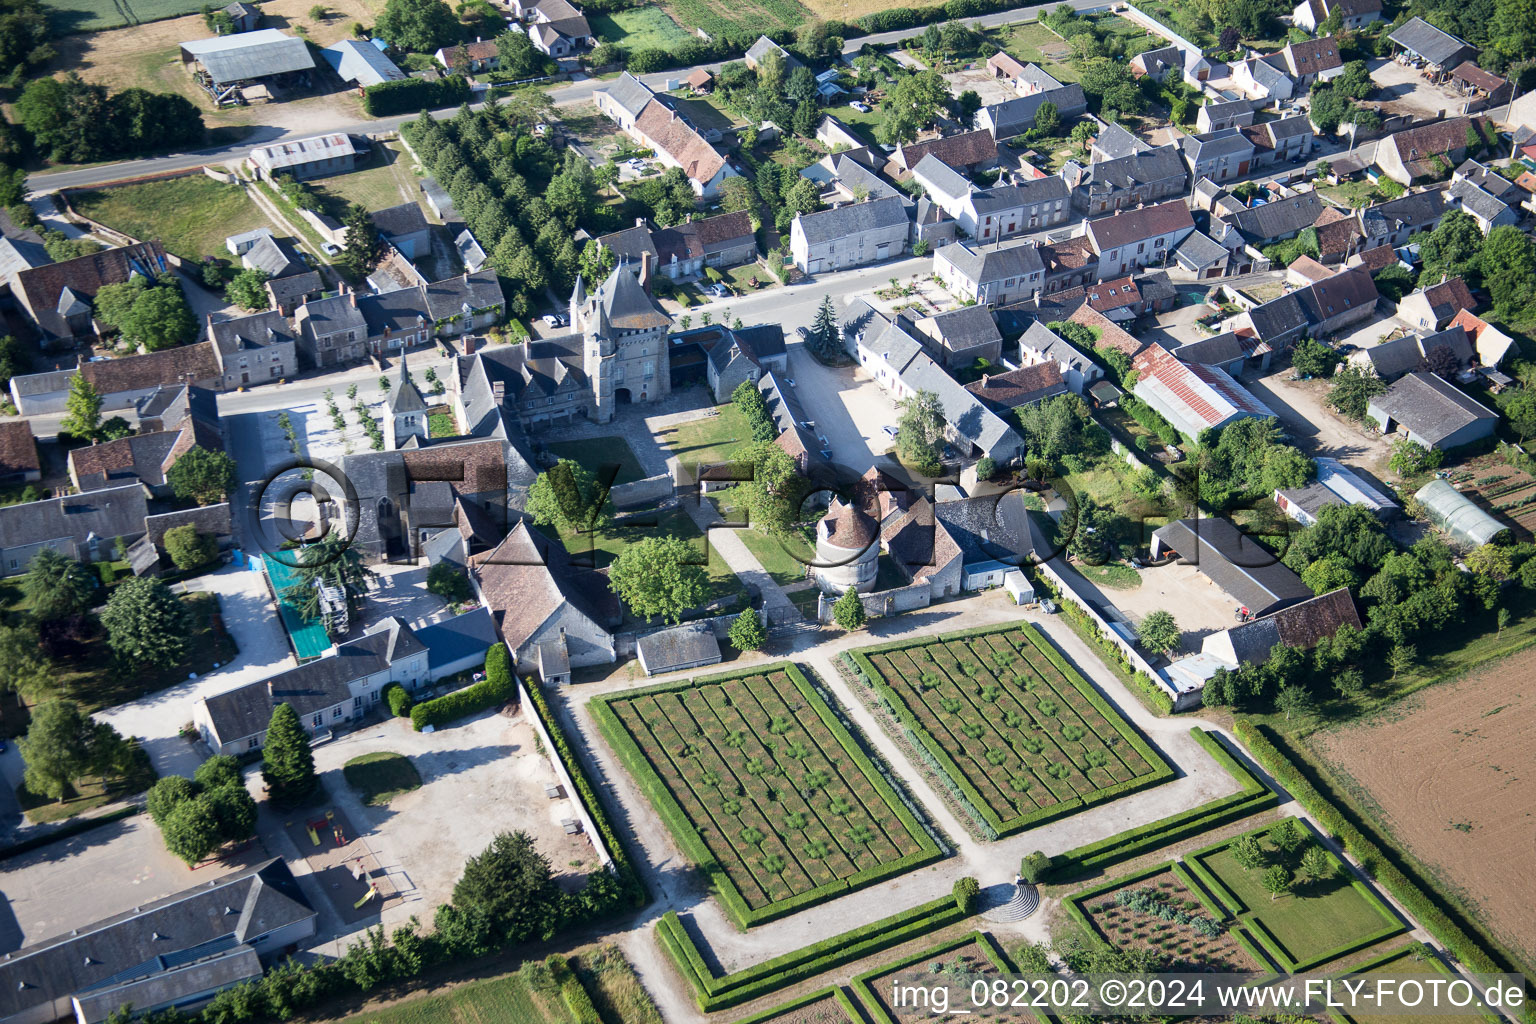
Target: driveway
[1198,605]
[1314,427]
[846,405]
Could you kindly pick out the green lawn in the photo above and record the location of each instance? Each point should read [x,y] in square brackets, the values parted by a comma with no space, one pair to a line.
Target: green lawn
[1115,575]
[1025,42]
[1353,194]
[708,440]
[385,180]
[505,998]
[1316,918]
[863,124]
[639,28]
[595,452]
[379,776]
[191,215]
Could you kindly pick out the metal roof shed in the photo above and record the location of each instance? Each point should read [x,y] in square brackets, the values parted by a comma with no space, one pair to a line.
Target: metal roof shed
[1467,525]
[239,58]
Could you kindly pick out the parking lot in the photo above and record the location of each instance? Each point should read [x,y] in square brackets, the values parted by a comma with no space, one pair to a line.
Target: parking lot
[1404,90]
[849,407]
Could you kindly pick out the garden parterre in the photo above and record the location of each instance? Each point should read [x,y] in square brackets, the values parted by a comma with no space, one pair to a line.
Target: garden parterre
[764,788]
[1020,737]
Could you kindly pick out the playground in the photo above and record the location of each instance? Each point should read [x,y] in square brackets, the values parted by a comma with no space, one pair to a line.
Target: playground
[341,863]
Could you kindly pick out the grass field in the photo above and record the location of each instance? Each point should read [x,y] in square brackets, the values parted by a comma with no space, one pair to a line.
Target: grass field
[191,215]
[1319,921]
[381,775]
[717,17]
[639,28]
[1020,736]
[763,788]
[386,180]
[708,440]
[1412,961]
[1026,42]
[594,453]
[91,15]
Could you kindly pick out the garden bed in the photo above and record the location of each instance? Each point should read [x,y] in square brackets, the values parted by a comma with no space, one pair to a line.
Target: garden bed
[954,963]
[764,788]
[1018,736]
[1162,909]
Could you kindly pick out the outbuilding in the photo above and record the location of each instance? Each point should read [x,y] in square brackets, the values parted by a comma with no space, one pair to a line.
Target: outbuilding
[682,647]
[1466,525]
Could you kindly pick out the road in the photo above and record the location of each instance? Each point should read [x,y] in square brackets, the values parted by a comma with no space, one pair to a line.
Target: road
[572,94]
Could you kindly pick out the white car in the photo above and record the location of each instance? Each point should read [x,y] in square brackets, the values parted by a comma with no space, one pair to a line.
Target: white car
[890,431]
[550,321]
[860,107]
[330,248]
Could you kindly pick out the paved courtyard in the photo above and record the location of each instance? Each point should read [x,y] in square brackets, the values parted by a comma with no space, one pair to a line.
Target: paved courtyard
[1314,426]
[1404,90]
[1198,605]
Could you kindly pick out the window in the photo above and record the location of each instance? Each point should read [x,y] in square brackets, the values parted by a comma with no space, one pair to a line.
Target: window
[336,711]
[252,743]
[317,721]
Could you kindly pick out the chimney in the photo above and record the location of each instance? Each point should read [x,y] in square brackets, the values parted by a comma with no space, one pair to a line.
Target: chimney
[986,379]
[469,344]
[639,222]
[352,296]
[645,271]
[498,391]
[688,219]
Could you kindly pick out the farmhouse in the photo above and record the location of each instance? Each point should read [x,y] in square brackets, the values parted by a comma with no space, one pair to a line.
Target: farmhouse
[1137,238]
[1353,14]
[850,236]
[1243,569]
[1428,150]
[248,66]
[84,527]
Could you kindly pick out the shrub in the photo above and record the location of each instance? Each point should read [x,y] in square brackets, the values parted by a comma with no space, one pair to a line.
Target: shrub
[1034,867]
[413,94]
[398,700]
[967,894]
[496,688]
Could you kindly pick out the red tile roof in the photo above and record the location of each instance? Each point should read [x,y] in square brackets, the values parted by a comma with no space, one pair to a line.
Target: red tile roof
[672,135]
[18,451]
[188,364]
[1184,380]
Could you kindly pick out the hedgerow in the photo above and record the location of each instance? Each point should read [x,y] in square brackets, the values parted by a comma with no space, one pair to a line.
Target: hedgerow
[496,688]
[413,94]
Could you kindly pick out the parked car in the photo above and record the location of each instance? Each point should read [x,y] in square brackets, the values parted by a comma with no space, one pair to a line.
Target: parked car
[330,248]
[890,431]
[550,321]
[719,291]
[860,107]
[789,381]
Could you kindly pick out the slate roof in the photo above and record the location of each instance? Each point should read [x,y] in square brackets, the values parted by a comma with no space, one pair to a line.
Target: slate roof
[1416,209]
[964,413]
[182,365]
[852,219]
[458,637]
[1153,165]
[1136,225]
[685,646]
[232,910]
[293,288]
[629,93]
[1428,42]
[939,177]
[1164,57]
[1115,142]
[528,577]
[1050,346]
[963,328]
[764,46]
[449,297]
[245,711]
[273,257]
[1331,297]
[397,221]
[247,55]
[1299,625]
[111,512]
[1024,386]
[964,149]
[984,266]
[627,304]
[668,132]
[1477,201]
[1199,250]
[1278,218]
[84,276]
[1218,351]
[1228,142]
[1011,117]
[1012,197]
[20,247]
[991,528]
[1278,316]
[1222,110]
[1242,568]
[1429,407]
[630,243]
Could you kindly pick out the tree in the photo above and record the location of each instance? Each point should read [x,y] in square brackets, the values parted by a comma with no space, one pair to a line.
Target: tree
[920,431]
[23,669]
[1401,657]
[166,794]
[747,633]
[848,610]
[1520,410]
[825,338]
[1277,881]
[191,832]
[1047,118]
[1287,836]
[517,57]
[234,810]
[771,497]
[114,429]
[1314,359]
[1082,134]
[63,745]
[66,117]
[986,467]
[190,549]
[202,475]
[56,586]
[1508,262]
[331,561]
[147,625]
[245,290]
[569,498]
[910,105]
[660,576]
[82,408]
[1159,632]
[510,885]
[1410,458]
[448,582]
[151,316]
[1317,863]
[1247,852]
[288,766]
[1328,574]
[1352,390]
[140,121]
[754,409]
[24,45]
[967,106]
[361,248]
[422,26]
[1451,248]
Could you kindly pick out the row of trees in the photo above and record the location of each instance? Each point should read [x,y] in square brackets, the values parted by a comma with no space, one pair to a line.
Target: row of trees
[71,120]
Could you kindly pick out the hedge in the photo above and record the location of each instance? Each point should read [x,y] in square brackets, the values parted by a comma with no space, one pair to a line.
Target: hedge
[1133,842]
[862,989]
[784,1009]
[577,1002]
[1419,903]
[858,661]
[498,687]
[412,94]
[687,835]
[1151,419]
[623,866]
[398,700]
[716,992]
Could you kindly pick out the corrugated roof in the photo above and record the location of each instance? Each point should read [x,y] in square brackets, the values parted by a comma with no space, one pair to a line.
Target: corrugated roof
[247,55]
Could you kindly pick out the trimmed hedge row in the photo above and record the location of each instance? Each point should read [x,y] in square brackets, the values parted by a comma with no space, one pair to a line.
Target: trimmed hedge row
[893,18]
[716,992]
[877,1013]
[1133,842]
[623,866]
[858,661]
[498,687]
[572,993]
[412,94]
[1422,955]
[1424,907]
[835,991]
[687,835]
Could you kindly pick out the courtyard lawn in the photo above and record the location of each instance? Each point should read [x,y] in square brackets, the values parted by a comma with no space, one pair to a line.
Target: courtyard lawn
[593,453]
[1020,737]
[709,440]
[639,28]
[379,776]
[763,788]
[190,215]
[386,179]
[1027,42]
[863,123]
[1115,575]
[1319,921]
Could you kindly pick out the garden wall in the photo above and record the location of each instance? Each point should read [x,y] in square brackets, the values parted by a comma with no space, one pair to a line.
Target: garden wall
[650,492]
[566,782]
[883,602]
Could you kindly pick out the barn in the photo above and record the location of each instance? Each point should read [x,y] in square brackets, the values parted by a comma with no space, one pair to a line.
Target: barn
[249,67]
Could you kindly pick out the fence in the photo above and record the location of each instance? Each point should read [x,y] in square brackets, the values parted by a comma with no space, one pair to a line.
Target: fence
[572,794]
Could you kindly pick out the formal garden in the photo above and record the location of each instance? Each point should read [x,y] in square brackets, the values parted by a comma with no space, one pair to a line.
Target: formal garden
[1292,896]
[1014,732]
[971,956]
[764,788]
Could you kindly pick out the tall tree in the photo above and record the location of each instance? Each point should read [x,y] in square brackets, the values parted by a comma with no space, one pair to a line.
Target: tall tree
[568,497]
[1159,632]
[202,475]
[23,669]
[848,610]
[660,576]
[825,339]
[146,623]
[920,431]
[360,244]
[910,105]
[245,290]
[63,745]
[67,117]
[1508,261]
[330,561]
[510,884]
[421,26]
[82,409]
[24,44]
[288,766]
[56,586]
[771,498]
